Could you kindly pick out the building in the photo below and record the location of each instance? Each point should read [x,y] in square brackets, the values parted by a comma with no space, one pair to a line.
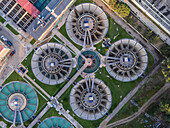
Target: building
[4,53]
[38,17]
[49,17]
[22,12]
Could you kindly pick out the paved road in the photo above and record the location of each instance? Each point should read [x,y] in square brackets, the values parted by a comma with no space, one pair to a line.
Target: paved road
[16,58]
[142,109]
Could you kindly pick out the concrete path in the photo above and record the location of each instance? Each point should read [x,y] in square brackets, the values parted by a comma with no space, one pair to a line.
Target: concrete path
[62,111]
[2,124]
[71,81]
[42,90]
[142,109]
[39,116]
[130,95]
[66,41]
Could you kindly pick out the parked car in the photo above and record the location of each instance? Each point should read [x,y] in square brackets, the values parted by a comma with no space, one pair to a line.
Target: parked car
[12,53]
[3,38]
[9,43]
[22,69]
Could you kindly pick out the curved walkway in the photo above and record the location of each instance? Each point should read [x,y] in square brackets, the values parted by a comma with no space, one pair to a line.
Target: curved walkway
[142,109]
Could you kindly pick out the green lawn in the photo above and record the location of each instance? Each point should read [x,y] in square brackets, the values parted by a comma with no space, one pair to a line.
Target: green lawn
[64,33]
[13,77]
[146,92]
[51,112]
[12,29]
[82,1]
[60,41]
[2,20]
[32,41]
[115,33]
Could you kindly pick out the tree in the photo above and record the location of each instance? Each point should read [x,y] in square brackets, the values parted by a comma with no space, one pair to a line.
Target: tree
[165,108]
[122,9]
[165,49]
[112,3]
[166,69]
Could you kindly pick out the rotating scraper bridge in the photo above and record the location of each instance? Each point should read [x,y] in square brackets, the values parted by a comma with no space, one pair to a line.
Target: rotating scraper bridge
[52,63]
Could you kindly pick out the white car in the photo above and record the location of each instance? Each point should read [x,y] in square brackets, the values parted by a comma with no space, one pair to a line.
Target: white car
[3,38]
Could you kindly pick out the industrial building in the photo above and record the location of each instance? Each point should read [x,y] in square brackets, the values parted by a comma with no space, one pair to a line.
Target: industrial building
[38,17]
[126,60]
[22,12]
[18,102]
[52,63]
[87,24]
[90,99]
[49,17]
[55,122]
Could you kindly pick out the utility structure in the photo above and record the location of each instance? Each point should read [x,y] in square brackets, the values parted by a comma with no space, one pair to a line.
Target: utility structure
[90,99]
[93,61]
[18,102]
[52,63]
[126,60]
[87,24]
[55,122]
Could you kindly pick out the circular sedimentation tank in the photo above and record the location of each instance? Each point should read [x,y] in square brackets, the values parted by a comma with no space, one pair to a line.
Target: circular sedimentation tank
[52,63]
[19,97]
[93,60]
[87,24]
[126,60]
[55,122]
[90,99]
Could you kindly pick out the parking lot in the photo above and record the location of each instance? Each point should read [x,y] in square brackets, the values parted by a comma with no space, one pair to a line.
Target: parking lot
[12,60]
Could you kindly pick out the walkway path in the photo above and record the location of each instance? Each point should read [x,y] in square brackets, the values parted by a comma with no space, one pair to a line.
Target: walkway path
[130,95]
[42,90]
[71,81]
[39,116]
[142,109]
[62,111]
[66,41]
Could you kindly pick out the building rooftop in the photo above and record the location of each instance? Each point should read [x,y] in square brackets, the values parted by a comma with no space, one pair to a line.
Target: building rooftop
[30,8]
[47,18]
